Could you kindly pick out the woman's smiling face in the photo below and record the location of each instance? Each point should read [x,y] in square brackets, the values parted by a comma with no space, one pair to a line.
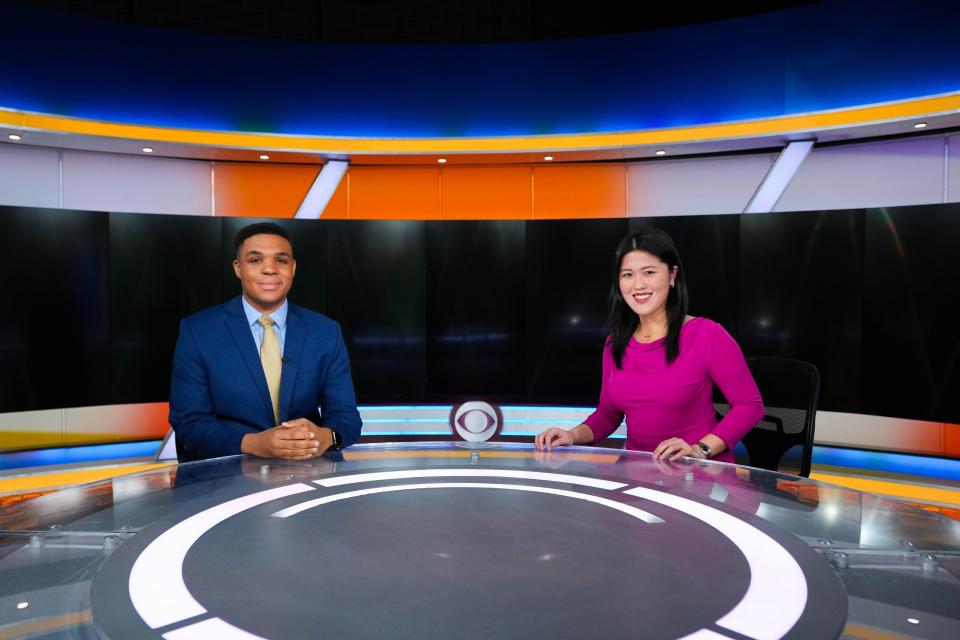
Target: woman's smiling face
[645,283]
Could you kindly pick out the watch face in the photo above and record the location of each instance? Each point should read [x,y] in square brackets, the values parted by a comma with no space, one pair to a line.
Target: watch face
[705,448]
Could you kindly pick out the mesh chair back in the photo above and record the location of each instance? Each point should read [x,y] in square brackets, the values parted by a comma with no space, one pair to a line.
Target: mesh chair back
[783,440]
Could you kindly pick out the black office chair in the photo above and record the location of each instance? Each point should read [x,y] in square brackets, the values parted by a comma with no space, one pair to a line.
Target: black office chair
[783,440]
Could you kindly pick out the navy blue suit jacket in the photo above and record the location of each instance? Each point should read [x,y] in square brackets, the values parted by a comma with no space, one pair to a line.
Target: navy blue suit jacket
[219,394]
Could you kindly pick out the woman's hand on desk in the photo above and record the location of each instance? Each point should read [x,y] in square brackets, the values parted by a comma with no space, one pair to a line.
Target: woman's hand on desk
[675,448]
[553,437]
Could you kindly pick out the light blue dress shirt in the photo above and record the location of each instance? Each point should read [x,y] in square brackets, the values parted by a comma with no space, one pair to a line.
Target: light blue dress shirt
[279,323]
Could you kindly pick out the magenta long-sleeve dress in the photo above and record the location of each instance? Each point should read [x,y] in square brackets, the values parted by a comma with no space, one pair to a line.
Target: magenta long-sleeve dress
[663,401]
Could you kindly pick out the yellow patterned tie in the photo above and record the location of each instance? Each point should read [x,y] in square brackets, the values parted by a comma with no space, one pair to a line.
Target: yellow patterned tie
[272,363]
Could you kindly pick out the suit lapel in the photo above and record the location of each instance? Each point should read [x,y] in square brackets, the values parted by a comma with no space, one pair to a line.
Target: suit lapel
[292,352]
[236,322]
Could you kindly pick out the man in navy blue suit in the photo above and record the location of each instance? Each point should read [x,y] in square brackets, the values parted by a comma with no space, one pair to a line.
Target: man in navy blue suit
[258,374]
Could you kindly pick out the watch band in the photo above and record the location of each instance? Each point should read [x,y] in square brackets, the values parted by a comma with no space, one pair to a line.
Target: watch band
[705,449]
[337,440]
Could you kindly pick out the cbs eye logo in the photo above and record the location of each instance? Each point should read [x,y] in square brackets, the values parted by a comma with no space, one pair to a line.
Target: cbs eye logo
[476,421]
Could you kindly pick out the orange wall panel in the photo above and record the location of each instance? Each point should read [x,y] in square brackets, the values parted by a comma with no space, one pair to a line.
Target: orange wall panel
[951,439]
[261,190]
[485,193]
[580,191]
[394,193]
[339,206]
[116,423]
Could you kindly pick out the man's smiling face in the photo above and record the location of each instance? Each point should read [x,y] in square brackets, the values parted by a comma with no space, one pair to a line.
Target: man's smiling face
[265,267]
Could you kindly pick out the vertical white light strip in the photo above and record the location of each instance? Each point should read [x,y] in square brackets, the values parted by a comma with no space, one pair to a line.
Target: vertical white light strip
[322,190]
[156,585]
[213,189]
[779,176]
[60,178]
[946,169]
[168,448]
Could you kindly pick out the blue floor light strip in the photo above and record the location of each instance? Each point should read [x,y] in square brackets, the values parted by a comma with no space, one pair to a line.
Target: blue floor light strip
[71,455]
[409,407]
[901,463]
[377,434]
[399,420]
[546,408]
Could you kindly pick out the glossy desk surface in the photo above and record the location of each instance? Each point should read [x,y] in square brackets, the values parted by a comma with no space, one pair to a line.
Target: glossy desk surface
[474,541]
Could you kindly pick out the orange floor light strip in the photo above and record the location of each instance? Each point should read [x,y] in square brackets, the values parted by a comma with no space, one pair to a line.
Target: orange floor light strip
[899,490]
[49,481]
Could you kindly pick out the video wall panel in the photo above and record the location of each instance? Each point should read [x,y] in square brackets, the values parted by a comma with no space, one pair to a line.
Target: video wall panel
[567,298]
[162,269]
[709,248]
[376,278]
[801,278]
[911,354]
[54,328]
[475,309]
[309,242]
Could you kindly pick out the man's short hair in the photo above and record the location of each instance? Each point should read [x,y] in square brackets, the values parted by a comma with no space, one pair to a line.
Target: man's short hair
[270,228]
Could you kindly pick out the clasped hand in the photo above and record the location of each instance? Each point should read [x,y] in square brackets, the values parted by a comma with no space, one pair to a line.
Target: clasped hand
[298,439]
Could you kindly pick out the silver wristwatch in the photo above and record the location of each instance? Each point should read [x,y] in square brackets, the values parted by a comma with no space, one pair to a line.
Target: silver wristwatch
[705,449]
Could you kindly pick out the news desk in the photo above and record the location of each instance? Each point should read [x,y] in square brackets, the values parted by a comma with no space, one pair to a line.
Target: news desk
[487,540]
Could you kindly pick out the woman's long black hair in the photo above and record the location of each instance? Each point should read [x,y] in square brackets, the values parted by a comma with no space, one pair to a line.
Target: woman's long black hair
[622,321]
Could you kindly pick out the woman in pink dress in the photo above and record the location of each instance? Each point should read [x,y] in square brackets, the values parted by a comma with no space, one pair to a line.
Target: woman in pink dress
[660,365]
